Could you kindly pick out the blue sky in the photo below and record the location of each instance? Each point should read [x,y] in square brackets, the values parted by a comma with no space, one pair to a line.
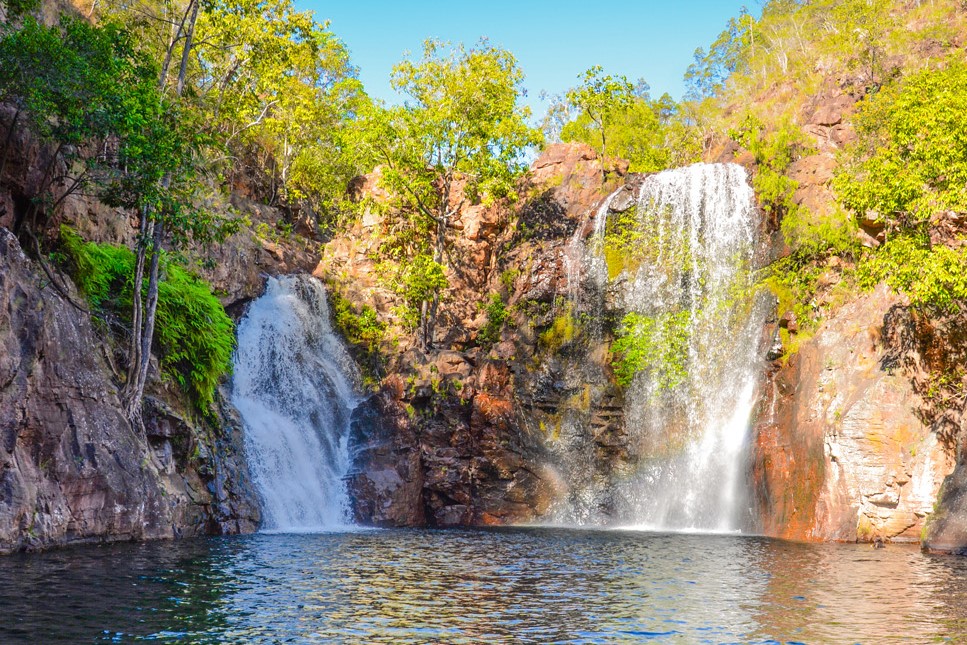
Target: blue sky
[553,41]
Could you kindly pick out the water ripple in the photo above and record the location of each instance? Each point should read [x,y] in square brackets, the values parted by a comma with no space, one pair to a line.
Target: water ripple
[511,585]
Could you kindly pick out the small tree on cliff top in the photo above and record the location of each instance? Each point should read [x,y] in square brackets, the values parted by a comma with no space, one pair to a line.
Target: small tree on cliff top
[601,97]
[461,121]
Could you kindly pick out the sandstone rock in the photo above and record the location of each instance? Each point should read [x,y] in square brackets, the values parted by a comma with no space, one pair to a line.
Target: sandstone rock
[839,452]
[830,111]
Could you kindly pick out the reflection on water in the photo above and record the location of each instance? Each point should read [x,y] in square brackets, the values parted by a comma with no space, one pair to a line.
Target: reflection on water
[523,585]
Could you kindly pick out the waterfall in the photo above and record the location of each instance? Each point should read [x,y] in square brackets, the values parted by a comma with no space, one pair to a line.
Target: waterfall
[295,386]
[685,282]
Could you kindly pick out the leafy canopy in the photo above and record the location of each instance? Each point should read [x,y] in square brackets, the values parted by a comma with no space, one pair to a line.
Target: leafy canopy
[620,119]
[462,119]
[910,159]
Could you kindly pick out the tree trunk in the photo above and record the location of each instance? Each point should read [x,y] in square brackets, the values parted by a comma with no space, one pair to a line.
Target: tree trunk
[140,362]
[186,51]
[175,37]
[145,231]
[142,333]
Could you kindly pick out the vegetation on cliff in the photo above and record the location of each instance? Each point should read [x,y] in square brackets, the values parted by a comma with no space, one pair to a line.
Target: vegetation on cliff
[164,111]
[459,138]
[195,336]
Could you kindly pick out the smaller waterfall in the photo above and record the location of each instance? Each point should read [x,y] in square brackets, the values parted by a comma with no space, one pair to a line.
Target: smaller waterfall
[295,387]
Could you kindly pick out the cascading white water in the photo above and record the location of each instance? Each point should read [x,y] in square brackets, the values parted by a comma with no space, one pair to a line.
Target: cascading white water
[687,413]
[295,386]
[702,224]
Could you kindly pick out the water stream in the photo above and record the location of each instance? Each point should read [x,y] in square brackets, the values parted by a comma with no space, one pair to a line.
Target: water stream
[295,387]
[686,279]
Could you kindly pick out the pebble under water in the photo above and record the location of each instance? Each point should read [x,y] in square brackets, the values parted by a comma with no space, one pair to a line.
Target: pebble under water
[507,585]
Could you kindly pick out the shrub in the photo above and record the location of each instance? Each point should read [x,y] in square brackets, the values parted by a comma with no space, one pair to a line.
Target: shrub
[819,235]
[910,160]
[194,336]
[363,328]
[773,151]
[934,278]
[496,317]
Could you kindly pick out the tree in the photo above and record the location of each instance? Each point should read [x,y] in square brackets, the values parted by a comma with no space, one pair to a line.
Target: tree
[461,122]
[601,97]
[708,73]
[611,114]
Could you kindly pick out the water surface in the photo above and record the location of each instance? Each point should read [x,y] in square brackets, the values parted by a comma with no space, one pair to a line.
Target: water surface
[508,585]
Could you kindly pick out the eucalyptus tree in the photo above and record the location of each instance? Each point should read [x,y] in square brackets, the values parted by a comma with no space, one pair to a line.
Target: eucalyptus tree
[459,136]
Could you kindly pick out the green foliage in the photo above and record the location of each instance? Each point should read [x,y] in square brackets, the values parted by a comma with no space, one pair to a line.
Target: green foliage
[508,277]
[708,74]
[362,328]
[101,271]
[278,90]
[463,118]
[463,122]
[422,279]
[773,151]
[62,78]
[599,98]
[19,8]
[656,344]
[272,89]
[934,278]
[813,235]
[618,118]
[497,315]
[633,239]
[94,93]
[195,338]
[910,160]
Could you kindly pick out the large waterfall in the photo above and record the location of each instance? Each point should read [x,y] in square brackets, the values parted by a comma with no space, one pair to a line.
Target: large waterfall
[682,277]
[295,386]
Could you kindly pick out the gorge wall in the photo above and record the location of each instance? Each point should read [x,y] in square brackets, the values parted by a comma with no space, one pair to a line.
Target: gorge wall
[72,468]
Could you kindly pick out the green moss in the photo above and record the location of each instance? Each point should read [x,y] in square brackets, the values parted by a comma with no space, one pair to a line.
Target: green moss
[562,331]
[194,336]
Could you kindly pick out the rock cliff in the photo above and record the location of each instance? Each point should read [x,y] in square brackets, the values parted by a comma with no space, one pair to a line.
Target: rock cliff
[72,469]
[840,452]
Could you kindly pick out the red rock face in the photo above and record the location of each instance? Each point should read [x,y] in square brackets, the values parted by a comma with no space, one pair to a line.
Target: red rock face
[840,453]
[451,439]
